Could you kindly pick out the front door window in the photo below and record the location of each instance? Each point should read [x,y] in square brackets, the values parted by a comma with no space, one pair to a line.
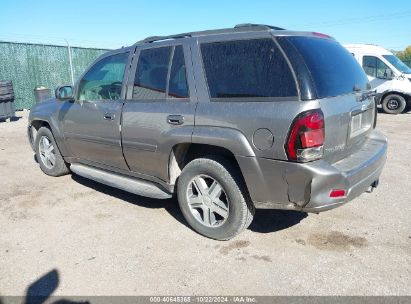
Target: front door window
[104,80]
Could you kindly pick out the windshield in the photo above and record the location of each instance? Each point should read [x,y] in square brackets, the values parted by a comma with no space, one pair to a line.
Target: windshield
[398,64]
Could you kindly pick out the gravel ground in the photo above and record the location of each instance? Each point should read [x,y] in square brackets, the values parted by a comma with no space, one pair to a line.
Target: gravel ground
[94,240]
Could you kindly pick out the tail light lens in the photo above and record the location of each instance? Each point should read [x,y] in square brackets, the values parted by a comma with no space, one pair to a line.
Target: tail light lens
[306,137]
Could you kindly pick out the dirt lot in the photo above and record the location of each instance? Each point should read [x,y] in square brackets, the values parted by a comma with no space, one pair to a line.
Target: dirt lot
[102,241]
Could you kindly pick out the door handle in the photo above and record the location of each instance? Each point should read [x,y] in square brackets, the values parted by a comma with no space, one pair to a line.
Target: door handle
[175,119]
[109,116]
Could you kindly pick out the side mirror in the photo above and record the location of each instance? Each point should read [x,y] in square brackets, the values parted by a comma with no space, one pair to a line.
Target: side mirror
[64,93]
[388,74]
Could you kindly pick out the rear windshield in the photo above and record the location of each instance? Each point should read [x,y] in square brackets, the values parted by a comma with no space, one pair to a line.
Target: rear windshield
[333,69]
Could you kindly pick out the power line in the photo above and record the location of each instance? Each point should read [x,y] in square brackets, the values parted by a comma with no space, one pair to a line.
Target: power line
[359,19]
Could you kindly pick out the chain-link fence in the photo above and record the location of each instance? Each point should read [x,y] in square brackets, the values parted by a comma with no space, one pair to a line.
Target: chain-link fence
[31,65]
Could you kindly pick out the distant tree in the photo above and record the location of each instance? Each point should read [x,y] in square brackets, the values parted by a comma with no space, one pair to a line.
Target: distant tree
[405,55]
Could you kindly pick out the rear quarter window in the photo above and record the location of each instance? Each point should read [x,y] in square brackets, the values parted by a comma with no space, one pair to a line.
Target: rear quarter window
[334,70]
[246,69]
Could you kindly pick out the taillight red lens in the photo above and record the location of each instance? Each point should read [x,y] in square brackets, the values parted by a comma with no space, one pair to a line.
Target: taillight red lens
[312,138]
[307,132]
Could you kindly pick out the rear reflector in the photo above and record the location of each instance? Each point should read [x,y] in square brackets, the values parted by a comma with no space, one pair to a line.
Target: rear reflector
[337,193]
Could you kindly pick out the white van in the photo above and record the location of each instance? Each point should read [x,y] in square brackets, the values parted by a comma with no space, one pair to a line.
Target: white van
[387,74]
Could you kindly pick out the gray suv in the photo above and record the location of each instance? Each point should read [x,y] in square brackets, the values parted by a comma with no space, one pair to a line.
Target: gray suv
[228,120]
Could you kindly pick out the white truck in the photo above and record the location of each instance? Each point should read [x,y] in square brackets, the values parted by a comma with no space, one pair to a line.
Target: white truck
[388,75]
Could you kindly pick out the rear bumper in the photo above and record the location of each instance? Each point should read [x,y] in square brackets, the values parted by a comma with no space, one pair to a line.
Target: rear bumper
[306,187]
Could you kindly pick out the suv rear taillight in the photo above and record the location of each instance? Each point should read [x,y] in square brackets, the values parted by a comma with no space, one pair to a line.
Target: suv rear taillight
[306,137]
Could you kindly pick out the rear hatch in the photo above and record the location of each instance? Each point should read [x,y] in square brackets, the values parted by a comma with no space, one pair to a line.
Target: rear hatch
[327,72]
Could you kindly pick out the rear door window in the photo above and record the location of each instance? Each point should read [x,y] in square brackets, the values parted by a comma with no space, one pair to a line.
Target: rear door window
[161,74]
[150,81]
[246,69]
[334,71]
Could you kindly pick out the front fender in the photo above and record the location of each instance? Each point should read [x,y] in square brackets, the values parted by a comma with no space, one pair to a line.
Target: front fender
[47,112]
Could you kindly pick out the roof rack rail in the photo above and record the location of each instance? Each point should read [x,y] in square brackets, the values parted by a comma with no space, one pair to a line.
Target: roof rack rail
[271,27]
[237,28]
[158,38]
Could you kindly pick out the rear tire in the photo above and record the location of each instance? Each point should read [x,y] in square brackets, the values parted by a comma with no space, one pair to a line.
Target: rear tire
[393,104]
[214,199]
[48,155]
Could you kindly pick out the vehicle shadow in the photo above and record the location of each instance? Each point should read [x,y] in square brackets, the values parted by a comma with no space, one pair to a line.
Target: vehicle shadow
[170,205]
[12,119]
[16,118]
[406,111]
[270,220]
[265,220]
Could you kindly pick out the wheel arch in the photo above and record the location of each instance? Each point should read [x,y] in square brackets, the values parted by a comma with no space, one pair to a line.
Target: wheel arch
[33,128]
[406,96]
[183,153]
[37,123]
[207,140]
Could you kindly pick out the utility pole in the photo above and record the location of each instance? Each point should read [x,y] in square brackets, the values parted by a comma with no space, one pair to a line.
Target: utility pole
[71,63]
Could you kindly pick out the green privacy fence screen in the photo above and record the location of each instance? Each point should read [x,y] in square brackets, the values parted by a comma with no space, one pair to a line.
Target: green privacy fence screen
[31,65]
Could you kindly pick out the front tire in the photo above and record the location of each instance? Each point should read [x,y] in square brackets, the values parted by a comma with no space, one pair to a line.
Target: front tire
[393,104]
[214,199]
[48,155]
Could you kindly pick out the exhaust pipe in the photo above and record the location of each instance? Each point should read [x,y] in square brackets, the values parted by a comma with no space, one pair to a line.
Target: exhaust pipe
[373,186]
